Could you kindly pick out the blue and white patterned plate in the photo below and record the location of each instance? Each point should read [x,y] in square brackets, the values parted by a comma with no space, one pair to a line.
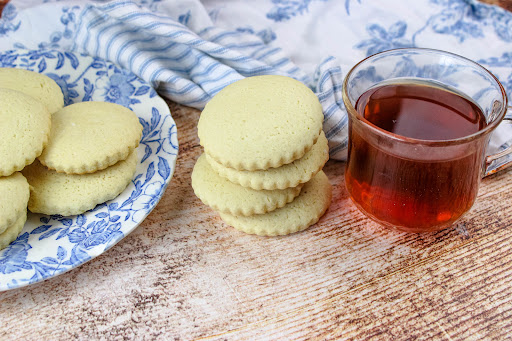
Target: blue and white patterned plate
[51,245]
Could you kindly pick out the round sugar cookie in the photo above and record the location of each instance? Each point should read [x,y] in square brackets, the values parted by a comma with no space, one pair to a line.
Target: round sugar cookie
[24,129]
[14,194]
[225,196]
[90,136]
[34,84]
[298,215]
[70,194]
[289,175]
[13,231]
[260,122]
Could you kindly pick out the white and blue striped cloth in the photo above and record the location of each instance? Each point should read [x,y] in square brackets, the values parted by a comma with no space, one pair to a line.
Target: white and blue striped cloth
[189,50]
[186,66]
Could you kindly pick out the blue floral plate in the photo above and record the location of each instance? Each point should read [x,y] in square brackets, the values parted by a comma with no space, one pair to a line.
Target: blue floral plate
[51,245]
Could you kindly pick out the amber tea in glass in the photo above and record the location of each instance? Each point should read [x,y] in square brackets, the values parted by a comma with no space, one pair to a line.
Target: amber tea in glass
[419,125]
[416,194]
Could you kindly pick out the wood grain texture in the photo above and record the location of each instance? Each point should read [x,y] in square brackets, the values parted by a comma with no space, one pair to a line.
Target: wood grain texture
[183,274]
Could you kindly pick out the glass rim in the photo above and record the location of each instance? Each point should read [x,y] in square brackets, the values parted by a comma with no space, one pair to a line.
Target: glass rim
[351,110]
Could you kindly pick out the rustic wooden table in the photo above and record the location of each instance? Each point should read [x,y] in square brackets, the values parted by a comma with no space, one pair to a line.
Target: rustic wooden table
[184,274]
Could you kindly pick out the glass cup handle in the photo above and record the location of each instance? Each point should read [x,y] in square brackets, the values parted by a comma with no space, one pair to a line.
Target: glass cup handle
[496,162]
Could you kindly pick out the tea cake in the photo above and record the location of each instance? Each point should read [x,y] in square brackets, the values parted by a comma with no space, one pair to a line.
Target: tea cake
[24,129]
[13,231]
[260,122]
[225,196]
[69,194]
[290,175]
[90,136]
[298,215]
[14,194]
[36,85]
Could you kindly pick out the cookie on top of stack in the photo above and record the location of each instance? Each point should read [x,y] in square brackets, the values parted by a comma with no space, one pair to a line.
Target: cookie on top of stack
[56,159]
[264,153]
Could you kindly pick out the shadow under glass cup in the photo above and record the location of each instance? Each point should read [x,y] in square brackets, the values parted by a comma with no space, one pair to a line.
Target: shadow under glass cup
[419,184]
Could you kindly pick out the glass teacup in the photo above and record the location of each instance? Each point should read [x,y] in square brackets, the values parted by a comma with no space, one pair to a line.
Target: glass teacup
[428,180]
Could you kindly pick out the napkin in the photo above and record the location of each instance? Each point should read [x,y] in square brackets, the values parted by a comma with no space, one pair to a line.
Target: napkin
[189,50]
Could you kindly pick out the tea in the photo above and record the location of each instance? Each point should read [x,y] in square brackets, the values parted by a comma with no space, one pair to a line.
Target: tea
[421,111]
[414,194]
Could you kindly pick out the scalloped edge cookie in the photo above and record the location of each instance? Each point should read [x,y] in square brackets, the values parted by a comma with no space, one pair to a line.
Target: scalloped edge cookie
[227,197]
[290,175]
[13,231]
[70,194]
[14,196]
[314,199]
[24,127]
[260,122]
[90,136]
[39,86]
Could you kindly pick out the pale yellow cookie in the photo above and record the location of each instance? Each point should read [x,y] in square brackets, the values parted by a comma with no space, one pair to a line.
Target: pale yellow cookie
[34,84]
[69,194]
[13,231]
[14,194]
[90,136]
[24,129]
[225,196]
[289,175]
[298,215]
[260,122]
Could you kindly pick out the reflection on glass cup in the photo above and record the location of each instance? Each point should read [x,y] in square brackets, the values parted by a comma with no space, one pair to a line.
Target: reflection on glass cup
[419,125]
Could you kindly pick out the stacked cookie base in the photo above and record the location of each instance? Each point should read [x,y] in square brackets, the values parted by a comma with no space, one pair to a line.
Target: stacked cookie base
[270,202]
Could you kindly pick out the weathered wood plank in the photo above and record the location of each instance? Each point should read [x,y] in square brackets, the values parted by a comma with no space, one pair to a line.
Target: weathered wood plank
[461,295]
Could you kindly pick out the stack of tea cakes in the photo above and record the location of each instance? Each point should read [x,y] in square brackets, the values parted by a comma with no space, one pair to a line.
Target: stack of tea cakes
[56,159]
[264,153]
